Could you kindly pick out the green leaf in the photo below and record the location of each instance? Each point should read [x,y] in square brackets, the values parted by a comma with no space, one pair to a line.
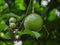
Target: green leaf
[10,43]
[37,35]
[2,1]
[27,42]
[2,43]
[3,26]
[20,4]
[31,33]
[26,31]
[2,5]
[8,35]
[0,18]
[8,15]
[36,5]
[52,16]
[1,8]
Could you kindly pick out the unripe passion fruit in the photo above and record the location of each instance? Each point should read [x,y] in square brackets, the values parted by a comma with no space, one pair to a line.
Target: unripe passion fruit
[33,22]
[12,20]
[12,25]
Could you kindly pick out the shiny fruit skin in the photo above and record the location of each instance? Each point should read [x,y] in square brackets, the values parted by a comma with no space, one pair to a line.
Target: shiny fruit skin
[12,20]
[33,22]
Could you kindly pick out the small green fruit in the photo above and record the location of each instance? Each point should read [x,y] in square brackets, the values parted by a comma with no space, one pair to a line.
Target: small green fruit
[12,20]
[2,35]
[12,25]
[33,22]
[17,36]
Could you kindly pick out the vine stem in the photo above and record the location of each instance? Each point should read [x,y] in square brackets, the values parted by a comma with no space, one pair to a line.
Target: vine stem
[25,15]
[46,29]
[33,2]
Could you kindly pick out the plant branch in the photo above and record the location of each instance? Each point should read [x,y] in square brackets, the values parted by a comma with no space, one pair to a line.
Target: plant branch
[25,14]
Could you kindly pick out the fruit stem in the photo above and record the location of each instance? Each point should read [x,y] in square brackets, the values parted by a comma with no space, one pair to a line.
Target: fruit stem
[25,15]
[33,2]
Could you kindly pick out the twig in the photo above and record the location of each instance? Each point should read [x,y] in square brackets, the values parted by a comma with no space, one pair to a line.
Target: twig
[46,29]
[25,15]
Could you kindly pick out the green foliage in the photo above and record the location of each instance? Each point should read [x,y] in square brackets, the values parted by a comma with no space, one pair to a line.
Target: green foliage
[36,34]
[29,24]
[10,43]
[2,1]
[3,26]
[52,16]
[2,43]
[27,42]
[31,33]
[6,35]
[26,31]
[20,4]
[2,5]
[6,43]
[8,15]
[2,35]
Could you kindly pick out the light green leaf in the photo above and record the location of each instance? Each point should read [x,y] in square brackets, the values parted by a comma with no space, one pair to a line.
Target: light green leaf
[1,8]
[2,1]
[20,4]
[8,15]
[36,5]
[52,16]
[37,35]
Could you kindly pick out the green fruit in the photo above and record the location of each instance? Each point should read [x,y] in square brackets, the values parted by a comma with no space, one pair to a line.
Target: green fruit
[12,20]
[2,35]
[33,22]
[12,25]
[17,36]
